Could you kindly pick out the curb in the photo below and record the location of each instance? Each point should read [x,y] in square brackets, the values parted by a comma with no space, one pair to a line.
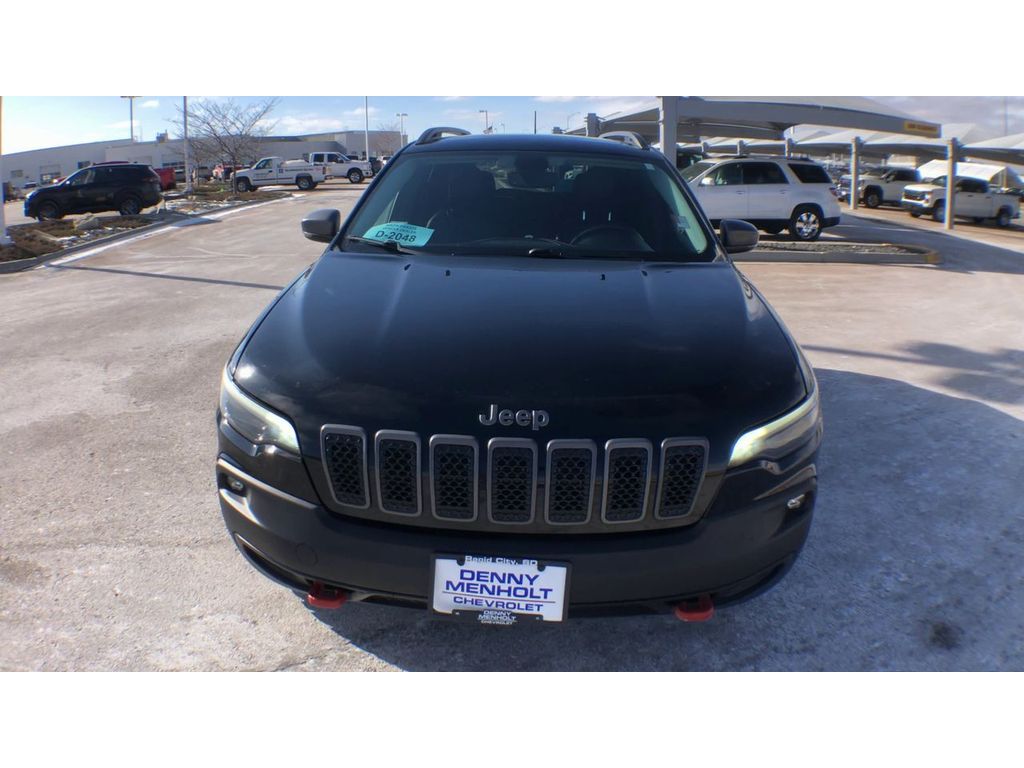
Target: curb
[918,255]
[169,220]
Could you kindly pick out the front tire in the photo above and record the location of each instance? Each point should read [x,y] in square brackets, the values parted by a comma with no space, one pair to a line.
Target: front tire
[355,176]
[129,206]
[805,225]
[48,210]
[243,185]
[1003,218]
[915,213]
[939,212]
[304,183]
[872,199]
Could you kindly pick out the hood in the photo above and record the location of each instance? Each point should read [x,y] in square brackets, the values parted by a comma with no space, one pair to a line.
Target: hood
[921,187]
[608,349]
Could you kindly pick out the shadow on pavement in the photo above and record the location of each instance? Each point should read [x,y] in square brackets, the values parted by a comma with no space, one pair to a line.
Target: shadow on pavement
[915,561]
[186,278]
[996,376]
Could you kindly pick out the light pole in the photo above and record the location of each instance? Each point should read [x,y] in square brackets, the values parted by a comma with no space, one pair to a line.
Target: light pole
[401,131]
[366,125]
[131,116]
[4,239]
[188,172]
[570,117]
[486,121]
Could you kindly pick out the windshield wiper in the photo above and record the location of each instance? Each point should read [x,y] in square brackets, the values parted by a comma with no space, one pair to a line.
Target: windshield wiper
[392,246]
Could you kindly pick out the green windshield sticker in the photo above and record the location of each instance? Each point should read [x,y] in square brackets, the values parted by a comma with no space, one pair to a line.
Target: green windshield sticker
[399,232]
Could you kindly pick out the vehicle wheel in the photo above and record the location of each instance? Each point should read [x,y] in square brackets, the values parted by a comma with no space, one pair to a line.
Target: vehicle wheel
[130,206]
[304,182]
[872,199]
[805,224]
[1003,217]
[355,176]
[243,185]
[48,210]
[915,213]
[773,230]
[939,211]
[979,220]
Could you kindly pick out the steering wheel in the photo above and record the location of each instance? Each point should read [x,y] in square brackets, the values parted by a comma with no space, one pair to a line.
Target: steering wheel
[619,234]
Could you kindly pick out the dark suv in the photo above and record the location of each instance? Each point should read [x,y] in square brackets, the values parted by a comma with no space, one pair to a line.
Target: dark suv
[523,380]
[123,187]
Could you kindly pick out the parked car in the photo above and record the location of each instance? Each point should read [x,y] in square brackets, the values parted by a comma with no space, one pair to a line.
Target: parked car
[773,193]
[973,200]
[337,165]
[224,171]
[482,387]
[167,178]
[277,170]
[881,185]
[126,188]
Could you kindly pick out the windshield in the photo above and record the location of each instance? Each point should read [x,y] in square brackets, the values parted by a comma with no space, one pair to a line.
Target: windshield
[696,169]
[530,203]
[876,172]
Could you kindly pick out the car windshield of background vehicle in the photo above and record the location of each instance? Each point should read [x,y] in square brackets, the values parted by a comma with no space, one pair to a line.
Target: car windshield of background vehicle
[531,203]
[696,169]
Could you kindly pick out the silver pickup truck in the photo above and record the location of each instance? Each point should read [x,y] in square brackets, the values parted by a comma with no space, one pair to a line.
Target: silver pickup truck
[974,200]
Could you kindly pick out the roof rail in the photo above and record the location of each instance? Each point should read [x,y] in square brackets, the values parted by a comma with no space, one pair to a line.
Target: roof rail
[630,138]
[433,134]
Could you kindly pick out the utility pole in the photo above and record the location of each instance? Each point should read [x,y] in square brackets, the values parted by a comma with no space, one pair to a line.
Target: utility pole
[366,125]
[486,121]
[535,122]
[401,131]
[188,170]
[4,239]
[131,116]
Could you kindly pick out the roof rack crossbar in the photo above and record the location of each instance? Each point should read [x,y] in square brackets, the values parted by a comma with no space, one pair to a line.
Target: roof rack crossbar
[631,138]
[433,134]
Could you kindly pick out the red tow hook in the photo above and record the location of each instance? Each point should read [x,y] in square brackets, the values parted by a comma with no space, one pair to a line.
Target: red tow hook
[326,597]
[699,609]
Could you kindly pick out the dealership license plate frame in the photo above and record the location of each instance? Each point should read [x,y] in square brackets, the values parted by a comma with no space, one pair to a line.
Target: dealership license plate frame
[500,564]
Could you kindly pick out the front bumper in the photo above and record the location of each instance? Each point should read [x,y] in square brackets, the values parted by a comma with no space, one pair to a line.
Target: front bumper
[733,553]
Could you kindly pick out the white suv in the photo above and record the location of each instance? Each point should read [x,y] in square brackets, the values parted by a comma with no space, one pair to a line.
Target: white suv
[772,193]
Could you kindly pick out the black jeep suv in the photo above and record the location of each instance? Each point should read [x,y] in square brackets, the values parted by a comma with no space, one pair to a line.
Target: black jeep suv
[123,187]
[523,380]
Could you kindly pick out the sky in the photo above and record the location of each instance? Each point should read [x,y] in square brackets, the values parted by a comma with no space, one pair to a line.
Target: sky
[38,122]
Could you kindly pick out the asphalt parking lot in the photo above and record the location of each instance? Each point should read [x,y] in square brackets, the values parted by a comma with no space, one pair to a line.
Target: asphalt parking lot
[114,555]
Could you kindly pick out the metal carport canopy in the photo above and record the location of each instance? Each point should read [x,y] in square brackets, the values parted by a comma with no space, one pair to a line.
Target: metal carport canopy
[1005,149]
[690,118]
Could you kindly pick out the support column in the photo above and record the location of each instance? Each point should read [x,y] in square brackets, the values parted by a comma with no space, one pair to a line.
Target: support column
[741,147]
[952,151]
[593,124]
[789,147]
[854,173]
[668,125]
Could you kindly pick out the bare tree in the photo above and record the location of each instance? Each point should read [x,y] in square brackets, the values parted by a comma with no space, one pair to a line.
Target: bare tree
[389,140]
[226,131]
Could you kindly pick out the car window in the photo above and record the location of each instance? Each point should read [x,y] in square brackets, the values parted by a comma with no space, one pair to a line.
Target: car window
[82,178]
[696,169]
[103,175]
[261,164]
[510,202]
[763,173]
[810,173]
[728,174]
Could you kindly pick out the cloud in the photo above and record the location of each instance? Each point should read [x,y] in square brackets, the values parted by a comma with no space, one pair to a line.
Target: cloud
[150,104]
[295,125]
[121,124]
[358,112]
[556,98]
[451,98]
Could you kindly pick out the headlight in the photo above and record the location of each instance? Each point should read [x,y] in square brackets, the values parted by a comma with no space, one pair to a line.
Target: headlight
[254,421]
[791,428]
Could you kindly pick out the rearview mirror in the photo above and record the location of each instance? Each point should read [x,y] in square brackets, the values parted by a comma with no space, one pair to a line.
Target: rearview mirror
[322,225]
[737,236]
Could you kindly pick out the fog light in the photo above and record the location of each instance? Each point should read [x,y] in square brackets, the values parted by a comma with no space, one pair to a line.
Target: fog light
[796,502]
[236,485]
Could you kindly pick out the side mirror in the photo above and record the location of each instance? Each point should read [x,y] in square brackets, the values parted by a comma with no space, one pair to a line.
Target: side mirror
[737,236]
[707,181]
[322,225]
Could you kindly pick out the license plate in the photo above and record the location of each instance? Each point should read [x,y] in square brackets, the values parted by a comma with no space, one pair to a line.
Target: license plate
[499,590]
